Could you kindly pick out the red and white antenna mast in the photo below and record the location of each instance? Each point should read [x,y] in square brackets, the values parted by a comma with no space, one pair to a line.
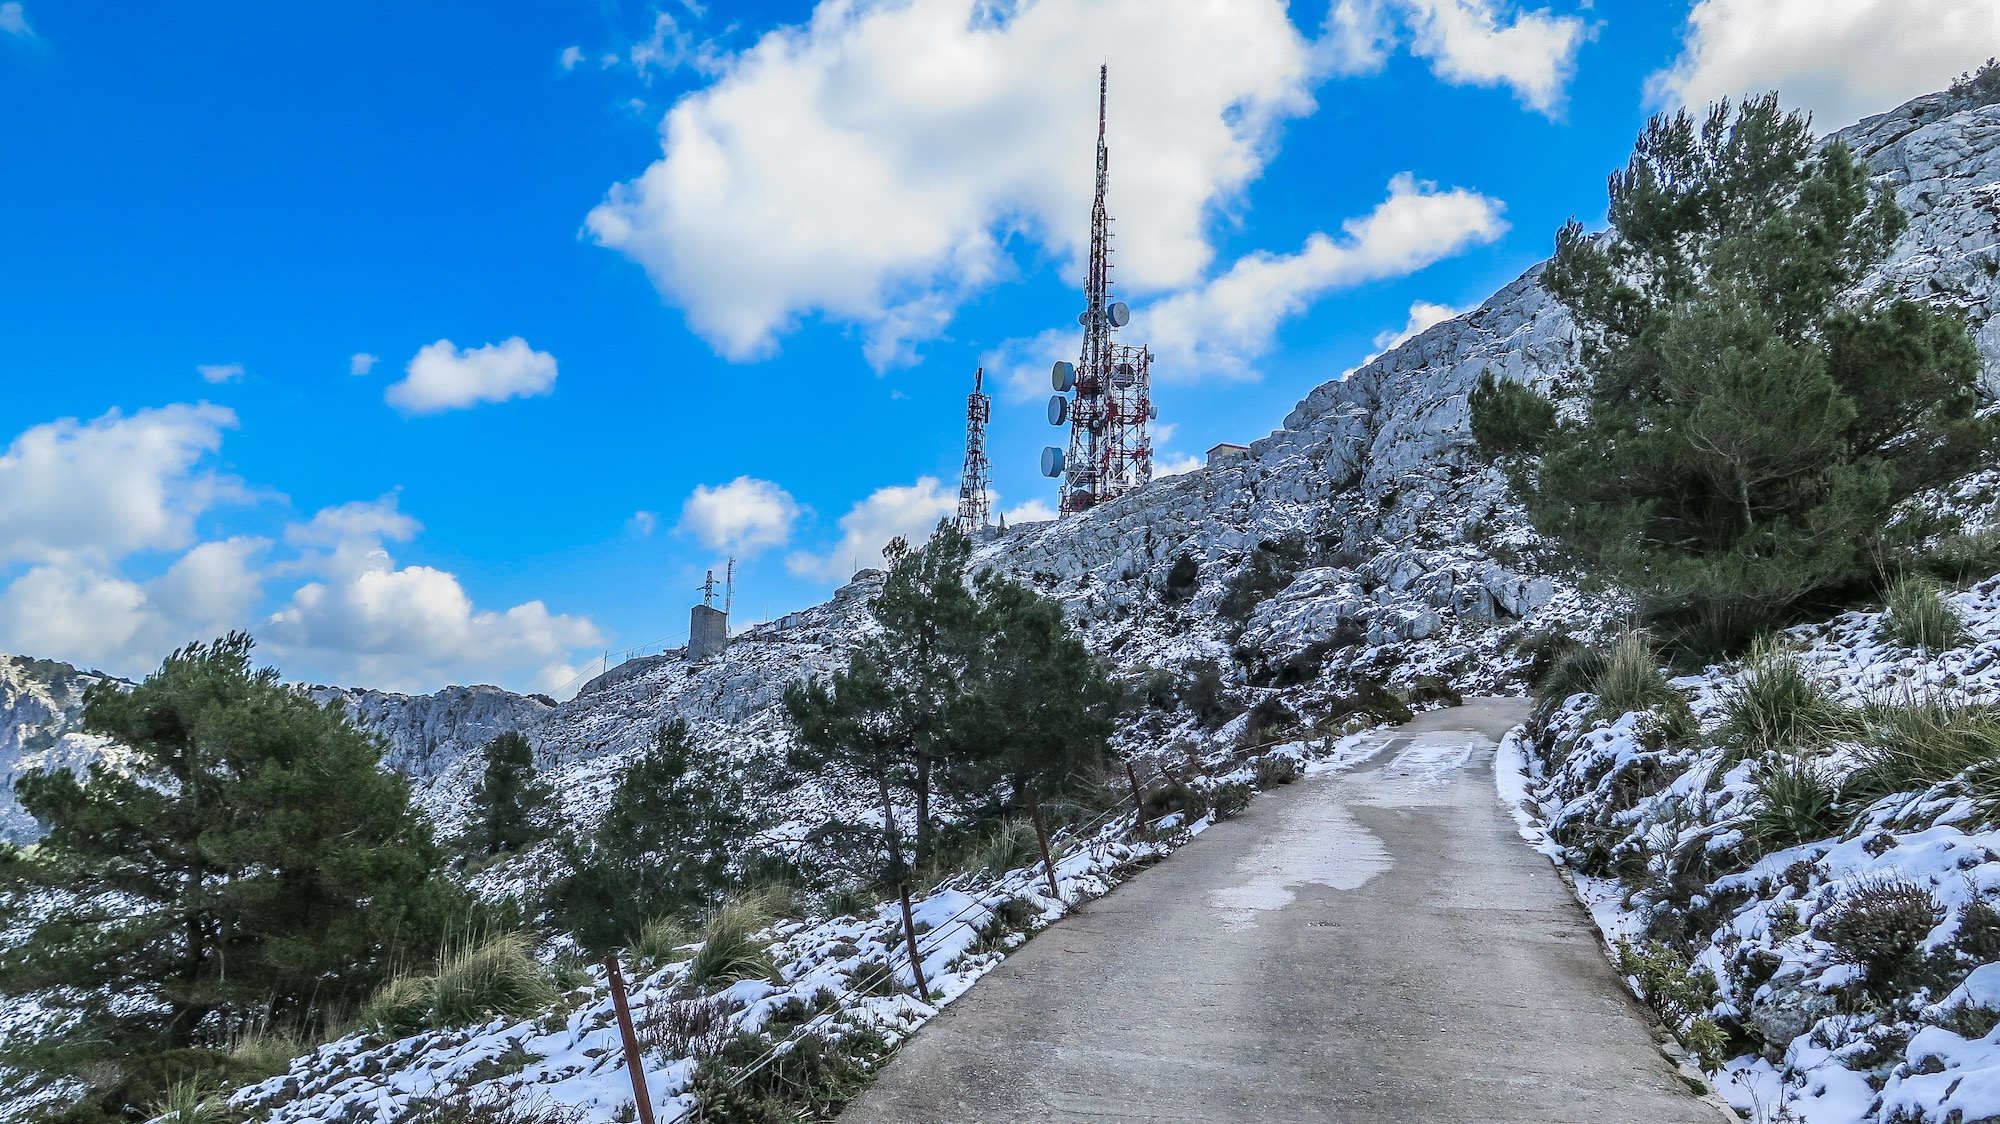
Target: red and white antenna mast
[974,506]
[1106,396]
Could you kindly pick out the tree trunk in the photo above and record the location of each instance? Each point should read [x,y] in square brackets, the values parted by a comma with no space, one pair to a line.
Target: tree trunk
[924,836]
[1042,837]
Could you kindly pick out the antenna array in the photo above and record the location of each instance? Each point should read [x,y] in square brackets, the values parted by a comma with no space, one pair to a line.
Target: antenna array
[974,506]
[1106,396]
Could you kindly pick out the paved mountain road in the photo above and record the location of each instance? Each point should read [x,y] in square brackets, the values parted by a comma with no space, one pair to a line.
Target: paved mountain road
[1374,944]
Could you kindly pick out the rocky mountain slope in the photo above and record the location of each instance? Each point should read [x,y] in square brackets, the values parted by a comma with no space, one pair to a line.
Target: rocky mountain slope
[1376,542]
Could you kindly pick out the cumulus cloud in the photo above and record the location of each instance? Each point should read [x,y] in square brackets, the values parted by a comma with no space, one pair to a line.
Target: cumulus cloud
[1219,329]
[94,616]
[1175,464]
[219,372]
[866,165]
[1032,511]
[361,363]
[1224,326]
[444,377]
[1841,59]
[1423,316]
[368,621]
[745,516]
[86,508]
[911,511]
[112,486]
[570,57]
[1486,43]
[14,20]
[642,524]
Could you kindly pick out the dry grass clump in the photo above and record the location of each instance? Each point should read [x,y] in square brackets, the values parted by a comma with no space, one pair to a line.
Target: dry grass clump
[1919,617]
[1922,742]
[1779,705]
[476,980]
[663,940]
[730,950]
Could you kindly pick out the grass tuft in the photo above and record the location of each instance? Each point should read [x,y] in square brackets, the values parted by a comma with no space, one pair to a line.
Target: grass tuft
[1797,802]
[1923,742]
[477,980]
[663,940]
[1919,617]
[1012,845]
[730,950]
[1778,705]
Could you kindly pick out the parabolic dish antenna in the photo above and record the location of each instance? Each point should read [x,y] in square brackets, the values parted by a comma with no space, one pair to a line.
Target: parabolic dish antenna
[1063,377]
[1119,313]
[1058,409]
[1052,461]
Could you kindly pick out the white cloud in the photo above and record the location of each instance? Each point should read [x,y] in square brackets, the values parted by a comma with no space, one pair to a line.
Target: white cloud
[220,372]
[411,628]
[443,377]
[909,510]
[1223,327]
[1033,511]
[1175,465]
[361,363]
[91,616]
[82,504]
[112,486]
[1841,59]
[570,57]
[1486,43]
[1423,316]
[745,516]
[642,524]
[14,20]
[866,165]
[1357,38]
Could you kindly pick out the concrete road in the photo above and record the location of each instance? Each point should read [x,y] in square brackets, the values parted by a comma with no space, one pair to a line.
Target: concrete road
[1374,944]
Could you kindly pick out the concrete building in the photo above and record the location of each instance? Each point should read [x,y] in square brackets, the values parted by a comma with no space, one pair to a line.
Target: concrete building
[708,632]
[1226,452]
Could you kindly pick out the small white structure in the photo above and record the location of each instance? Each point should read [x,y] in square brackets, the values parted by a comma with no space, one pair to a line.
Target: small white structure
[1226,452]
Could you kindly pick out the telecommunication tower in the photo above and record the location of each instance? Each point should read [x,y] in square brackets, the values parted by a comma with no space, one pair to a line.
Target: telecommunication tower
[1106,396]
[974,509]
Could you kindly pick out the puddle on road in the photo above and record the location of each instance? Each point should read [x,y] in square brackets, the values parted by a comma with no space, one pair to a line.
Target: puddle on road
[1322,844]
[1319,845]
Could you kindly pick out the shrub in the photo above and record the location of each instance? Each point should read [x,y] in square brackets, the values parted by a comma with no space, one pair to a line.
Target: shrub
[490,1107]
[1229,799]
[1979,87]
[1921,743]
[1631,678]
[1174,796]
[730,950]
[1678,991]
[847,900]
[1373,700]
[1011,845]
[496,976]
[1204,695]
[1779,705]
[662,941]
[402,1006]
[267,1052]
[1979,931]
[1182,577]
[1963,558]
[1268,572]
[1880,926]
[1919,617]
[1797,801]
[683,1028]
[1268,719]
[811,1080]
[1276,769]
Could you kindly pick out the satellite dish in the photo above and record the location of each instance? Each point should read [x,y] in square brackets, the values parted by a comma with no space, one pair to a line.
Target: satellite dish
[1152,412]
[1052,461]
[1119,312]
[1058,409]
[1063,377]
[1083,318]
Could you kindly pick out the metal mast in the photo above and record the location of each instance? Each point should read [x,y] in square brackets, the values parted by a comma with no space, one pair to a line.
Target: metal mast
[974,509]
[1109,451]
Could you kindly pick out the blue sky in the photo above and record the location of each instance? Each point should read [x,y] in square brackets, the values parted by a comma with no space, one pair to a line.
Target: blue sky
[445,343]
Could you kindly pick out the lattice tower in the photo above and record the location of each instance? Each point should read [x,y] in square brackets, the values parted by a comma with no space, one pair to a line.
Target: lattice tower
[974,506]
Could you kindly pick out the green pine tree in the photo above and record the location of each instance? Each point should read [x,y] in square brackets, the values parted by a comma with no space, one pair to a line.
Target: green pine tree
[247,863]
[669,843]
[1751,431]
[509,805]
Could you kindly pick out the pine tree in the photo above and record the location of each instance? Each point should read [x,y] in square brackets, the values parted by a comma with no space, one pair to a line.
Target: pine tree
[670,841]
[509,803]
[247,863]
[1752,431]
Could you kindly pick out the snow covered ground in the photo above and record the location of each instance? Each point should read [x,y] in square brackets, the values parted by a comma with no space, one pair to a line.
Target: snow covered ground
[1751,967]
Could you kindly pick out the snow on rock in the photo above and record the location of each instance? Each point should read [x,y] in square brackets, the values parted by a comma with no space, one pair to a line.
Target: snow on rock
[1668,813]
